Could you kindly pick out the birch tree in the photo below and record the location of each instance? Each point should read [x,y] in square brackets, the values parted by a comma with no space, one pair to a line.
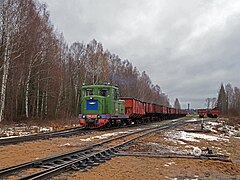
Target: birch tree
[9,29]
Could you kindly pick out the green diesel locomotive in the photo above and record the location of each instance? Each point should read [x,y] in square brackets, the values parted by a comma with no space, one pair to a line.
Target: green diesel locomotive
[101,106]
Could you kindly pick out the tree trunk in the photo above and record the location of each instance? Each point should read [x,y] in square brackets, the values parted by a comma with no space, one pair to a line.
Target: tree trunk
[6,62]
[38,97]
[27,92]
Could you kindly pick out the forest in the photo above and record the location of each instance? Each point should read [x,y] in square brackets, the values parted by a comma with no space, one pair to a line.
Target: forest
[41,75]
[228,101]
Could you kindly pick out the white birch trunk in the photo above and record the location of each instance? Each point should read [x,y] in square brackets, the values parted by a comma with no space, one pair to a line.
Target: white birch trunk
[42,105]
[38,98]
[27,92]
[46,104]
[6,62]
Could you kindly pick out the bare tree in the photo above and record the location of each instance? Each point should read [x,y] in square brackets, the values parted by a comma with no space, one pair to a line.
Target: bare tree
[8,31]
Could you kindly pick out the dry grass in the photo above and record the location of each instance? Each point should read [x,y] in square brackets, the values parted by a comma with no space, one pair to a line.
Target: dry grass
[56,123]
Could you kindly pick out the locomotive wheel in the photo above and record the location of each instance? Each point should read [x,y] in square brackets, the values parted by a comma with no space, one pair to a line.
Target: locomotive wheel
[108,125]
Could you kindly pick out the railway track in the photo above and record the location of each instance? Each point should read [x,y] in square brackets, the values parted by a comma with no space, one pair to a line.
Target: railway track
[80,159]
[62,133]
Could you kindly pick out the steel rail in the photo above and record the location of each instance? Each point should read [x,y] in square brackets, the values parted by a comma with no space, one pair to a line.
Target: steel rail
[218,157]
[61,133]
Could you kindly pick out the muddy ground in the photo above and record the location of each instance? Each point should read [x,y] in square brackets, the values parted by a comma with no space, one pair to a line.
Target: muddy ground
[220,140]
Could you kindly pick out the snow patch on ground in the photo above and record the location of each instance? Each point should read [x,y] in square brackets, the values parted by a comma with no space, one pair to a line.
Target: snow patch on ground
[175,141]
[191,120]
[22,130]
[104,136]
[194,137]
[169,164]
[213,123]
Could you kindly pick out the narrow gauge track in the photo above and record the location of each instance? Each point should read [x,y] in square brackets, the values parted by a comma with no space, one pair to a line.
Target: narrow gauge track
[61,133]
[80,159]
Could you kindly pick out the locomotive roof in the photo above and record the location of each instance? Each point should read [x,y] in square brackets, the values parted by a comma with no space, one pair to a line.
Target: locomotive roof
[99,86]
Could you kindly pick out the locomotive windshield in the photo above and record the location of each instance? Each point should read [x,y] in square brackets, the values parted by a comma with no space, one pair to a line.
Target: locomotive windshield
[89,92]
[103,92]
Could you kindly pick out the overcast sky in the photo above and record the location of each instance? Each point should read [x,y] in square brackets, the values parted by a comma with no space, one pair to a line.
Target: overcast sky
[187,47]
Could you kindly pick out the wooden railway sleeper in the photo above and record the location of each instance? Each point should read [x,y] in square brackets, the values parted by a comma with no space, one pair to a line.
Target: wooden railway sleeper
[97,159]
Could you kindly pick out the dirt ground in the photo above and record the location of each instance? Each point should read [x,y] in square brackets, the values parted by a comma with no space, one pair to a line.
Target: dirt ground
[152,168]
[28,151]
[130,167]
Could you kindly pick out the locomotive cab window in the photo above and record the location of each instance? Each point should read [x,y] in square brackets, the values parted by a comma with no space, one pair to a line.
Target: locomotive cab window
[115,94]
[103,92]
[89,92]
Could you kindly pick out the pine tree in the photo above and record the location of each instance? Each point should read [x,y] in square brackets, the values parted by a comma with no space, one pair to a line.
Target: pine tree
[177,104]
[222,100]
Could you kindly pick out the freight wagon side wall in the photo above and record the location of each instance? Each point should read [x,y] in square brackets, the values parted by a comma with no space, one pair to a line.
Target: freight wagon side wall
[133,107]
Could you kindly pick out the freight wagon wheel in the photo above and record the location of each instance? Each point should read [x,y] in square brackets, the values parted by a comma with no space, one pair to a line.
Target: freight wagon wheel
[118,124]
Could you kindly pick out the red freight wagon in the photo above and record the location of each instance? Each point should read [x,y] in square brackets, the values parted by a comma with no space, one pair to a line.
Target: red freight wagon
[202,113]
[164,109]
[176,111]
[157,108]
[172,111]
[161,109]
[149,108]
[168,110]
[214,113]
[133,107]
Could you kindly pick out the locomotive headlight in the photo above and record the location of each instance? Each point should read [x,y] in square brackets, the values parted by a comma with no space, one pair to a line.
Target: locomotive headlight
[83,116]
[99,116]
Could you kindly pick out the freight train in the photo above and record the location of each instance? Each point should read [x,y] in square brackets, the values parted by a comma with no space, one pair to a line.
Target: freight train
[101,106]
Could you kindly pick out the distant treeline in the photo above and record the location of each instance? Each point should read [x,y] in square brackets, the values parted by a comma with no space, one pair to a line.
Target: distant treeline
[229,100]
[41,76]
